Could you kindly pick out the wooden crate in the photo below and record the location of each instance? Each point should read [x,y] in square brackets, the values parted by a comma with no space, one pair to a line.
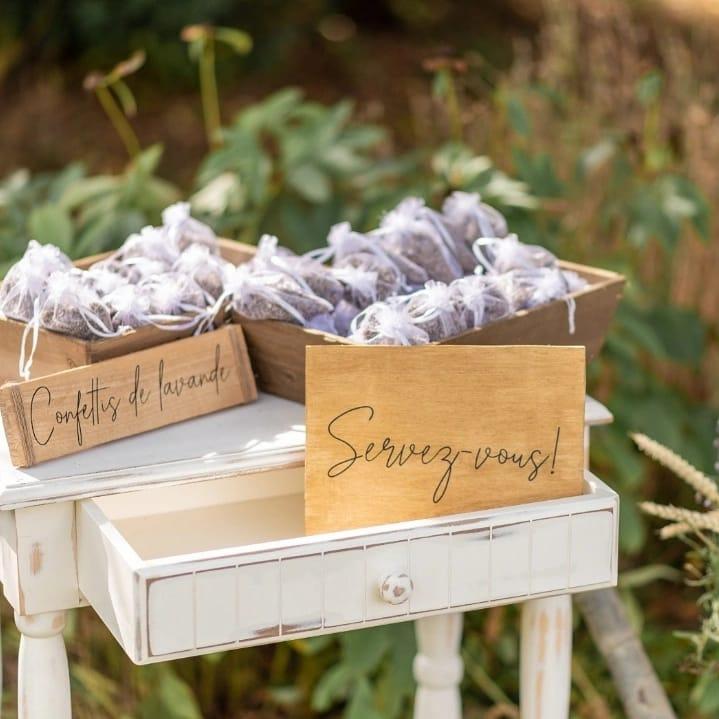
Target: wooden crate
[56,352]
[277,349]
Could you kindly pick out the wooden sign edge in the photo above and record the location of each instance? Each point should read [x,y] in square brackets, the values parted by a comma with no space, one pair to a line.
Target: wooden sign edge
[12,409]
[316,349]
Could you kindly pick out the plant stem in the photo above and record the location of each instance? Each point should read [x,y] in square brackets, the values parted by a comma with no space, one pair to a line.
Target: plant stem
[453,109]
[118,120]
[208,89]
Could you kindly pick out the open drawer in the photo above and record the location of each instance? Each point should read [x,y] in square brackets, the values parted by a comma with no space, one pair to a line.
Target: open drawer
[182,570]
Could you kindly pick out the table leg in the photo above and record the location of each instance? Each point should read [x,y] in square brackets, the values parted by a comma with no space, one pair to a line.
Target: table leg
[546,658]
[43,677]
[438,667]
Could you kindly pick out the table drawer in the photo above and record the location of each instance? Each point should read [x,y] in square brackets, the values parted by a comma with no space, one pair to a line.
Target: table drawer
[182,570]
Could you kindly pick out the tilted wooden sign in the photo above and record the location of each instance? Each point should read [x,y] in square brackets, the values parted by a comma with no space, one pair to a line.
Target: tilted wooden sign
[66,412]
[401,433]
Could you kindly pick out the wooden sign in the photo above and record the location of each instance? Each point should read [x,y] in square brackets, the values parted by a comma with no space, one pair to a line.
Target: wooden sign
[400,433]
[66,412]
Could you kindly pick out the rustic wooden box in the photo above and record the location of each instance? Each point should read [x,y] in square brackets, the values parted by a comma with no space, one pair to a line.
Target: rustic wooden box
[56,352]
[277,349]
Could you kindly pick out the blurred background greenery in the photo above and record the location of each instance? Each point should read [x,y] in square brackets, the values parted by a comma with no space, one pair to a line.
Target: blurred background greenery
[593,124]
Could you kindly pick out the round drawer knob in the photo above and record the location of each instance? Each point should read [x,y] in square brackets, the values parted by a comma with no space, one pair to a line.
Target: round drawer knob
[396,588]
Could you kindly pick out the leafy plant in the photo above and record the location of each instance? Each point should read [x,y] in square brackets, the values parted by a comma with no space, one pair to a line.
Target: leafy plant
[294,167]
[81,214]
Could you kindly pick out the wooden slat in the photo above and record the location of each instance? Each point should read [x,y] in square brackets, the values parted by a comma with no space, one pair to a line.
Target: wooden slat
[399,433]
[69,411]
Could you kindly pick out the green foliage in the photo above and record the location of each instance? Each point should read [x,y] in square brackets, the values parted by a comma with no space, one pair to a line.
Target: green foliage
[81,214]
[604,195]
[382,655]
[294,167]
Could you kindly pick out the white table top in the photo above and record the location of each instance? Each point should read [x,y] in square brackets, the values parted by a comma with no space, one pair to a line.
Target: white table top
[265,434]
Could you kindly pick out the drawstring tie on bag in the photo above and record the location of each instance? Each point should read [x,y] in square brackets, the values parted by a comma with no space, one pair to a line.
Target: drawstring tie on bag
[33,326]
[393,322]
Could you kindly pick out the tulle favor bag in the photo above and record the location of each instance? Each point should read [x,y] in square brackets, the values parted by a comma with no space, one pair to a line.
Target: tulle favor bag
[418,233]
[184,230]
[344,243]
[467,218]
[387,323]
[26,280]
[272,295]
[481,300]
[304,269]
[500,255]
[434,311]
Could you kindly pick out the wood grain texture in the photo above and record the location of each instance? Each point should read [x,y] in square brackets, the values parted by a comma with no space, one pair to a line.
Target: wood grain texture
[57,352]
[400,433]
[277,349]
[77,409]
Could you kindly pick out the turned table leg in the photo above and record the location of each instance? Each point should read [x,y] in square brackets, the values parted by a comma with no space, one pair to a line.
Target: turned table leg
[43,677]
[546,658]
[438,667]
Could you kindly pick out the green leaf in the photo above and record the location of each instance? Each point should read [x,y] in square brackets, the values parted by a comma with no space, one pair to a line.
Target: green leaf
[334,686]
[171,698]
[51,224]
[238,40]
[649,574]
[88,188]
[705,695]
[310,183]
[649,87]
[363,650]
[147,161]
[518,118]
[361,705]
[681,333]
[125,97]
[538,172]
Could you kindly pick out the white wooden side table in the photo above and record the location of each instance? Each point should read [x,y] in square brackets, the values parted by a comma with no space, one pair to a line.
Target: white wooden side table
[189,539]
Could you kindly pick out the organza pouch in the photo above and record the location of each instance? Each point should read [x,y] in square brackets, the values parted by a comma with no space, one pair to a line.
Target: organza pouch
[304,269]
[387,323]
[433,310]
[184,230]
[272,295]
[26,280]
[152,243]
[103,280]
[71,307]
[366,278]
[207,270]
[467,219]
[343,315]
[416,232]
[481,299]
[129,307]
[500,255]
[343,241]
[539,286]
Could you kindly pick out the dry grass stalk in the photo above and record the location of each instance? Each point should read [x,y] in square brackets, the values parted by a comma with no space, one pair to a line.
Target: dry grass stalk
[697,480]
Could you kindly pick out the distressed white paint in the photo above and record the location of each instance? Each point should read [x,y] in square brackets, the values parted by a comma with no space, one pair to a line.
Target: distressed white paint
[266,433]
[546,658]
[162,600]
[429,572]
[438,667]
[43,677]
[241,573]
